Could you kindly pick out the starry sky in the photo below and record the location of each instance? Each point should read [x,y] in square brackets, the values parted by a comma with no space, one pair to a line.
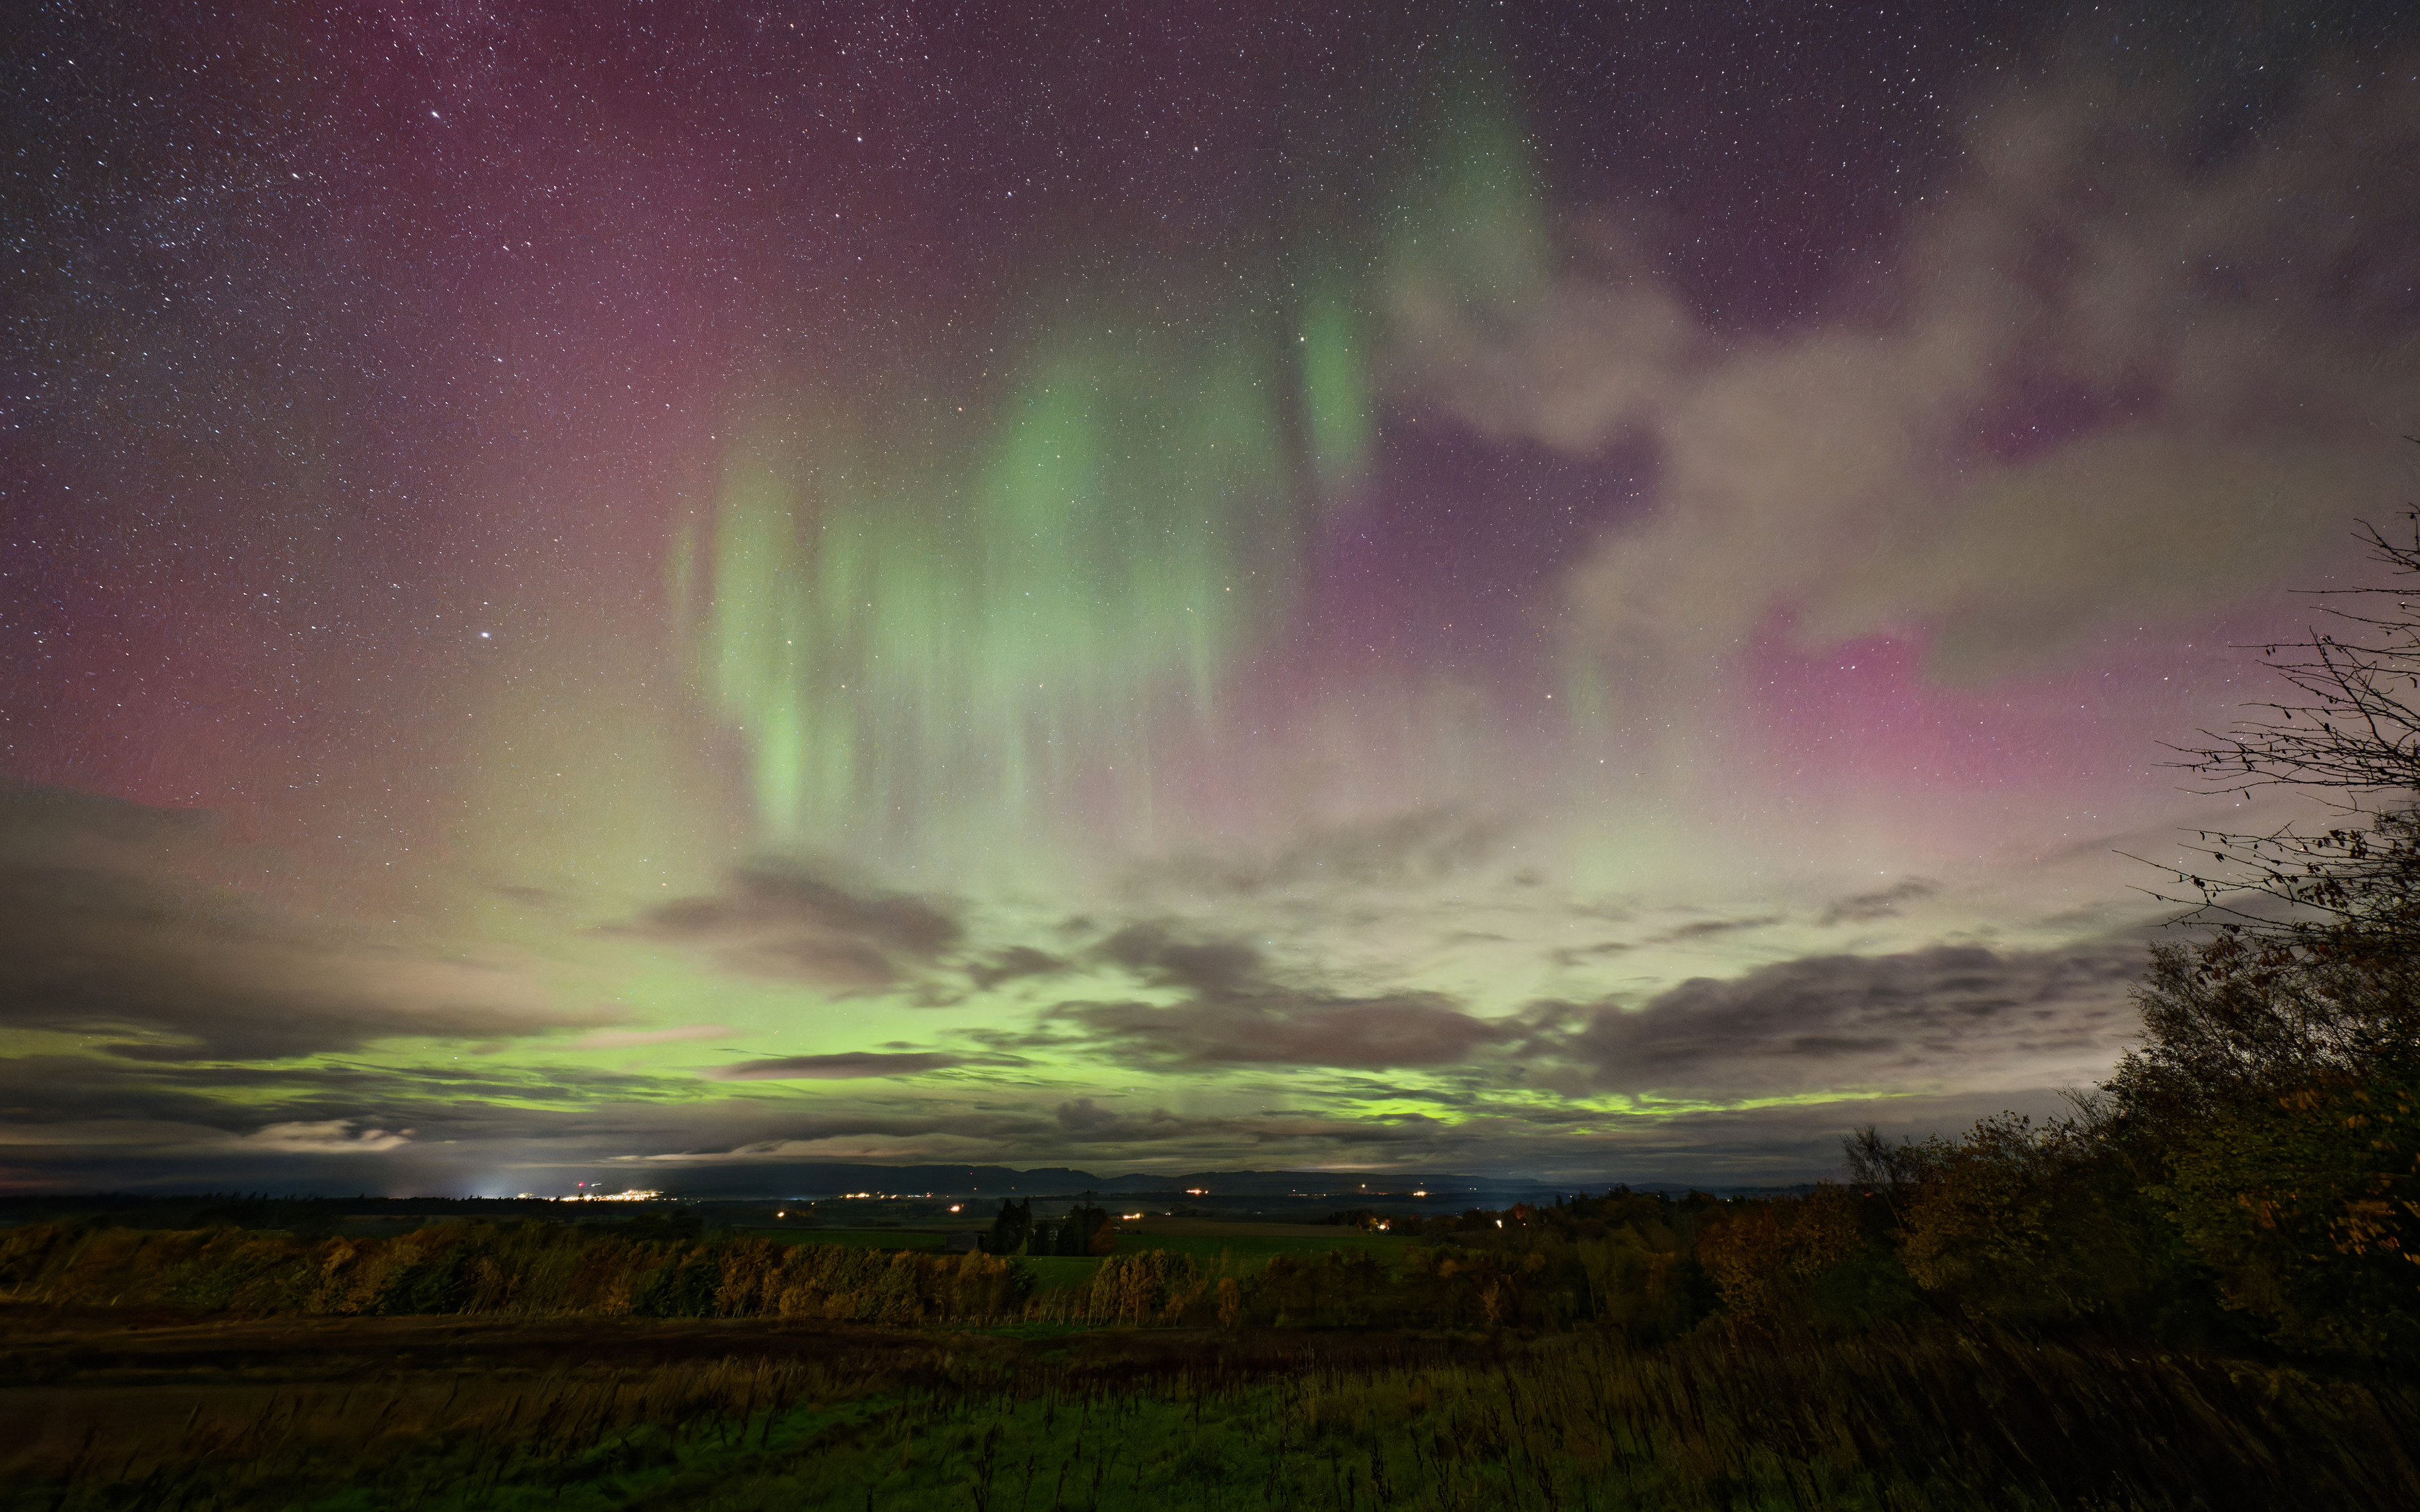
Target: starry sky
[660,593]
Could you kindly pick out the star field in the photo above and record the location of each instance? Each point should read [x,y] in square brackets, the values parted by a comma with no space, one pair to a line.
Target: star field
[1567,590]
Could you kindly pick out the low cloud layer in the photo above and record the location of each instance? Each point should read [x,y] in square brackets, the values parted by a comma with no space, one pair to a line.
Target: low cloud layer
[202,1038]
[845,1067]
[334,1136]
[105,943]
[1285,1029]
[796,924]
[1941,1019]
[1234,1015]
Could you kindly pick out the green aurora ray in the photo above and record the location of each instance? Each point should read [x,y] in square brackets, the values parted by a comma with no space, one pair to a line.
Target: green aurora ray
[979,630]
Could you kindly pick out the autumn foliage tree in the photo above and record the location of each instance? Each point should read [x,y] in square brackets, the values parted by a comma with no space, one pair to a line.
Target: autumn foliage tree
[2280,1063]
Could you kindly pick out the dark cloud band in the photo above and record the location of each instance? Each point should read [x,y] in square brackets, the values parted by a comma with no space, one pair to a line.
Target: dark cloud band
[850,1066]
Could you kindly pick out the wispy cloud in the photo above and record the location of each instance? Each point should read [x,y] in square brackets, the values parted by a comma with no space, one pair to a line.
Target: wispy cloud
[795,924]
[845,1067]
[1945,1019]
[334,1136]
[137,959]
[2109,374]
[1235,1015]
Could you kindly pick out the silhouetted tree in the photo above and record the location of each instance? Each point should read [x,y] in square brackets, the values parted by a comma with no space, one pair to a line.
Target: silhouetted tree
[2277,1085]
[1888,1171]
[1011,1229]
[2350,891]
[1085,1230]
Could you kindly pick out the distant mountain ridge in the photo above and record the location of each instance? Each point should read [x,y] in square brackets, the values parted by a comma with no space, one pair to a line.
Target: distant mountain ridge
[835,1180]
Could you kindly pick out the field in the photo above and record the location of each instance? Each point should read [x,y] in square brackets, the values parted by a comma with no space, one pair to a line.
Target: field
[1250,1244]
[355,1414]
[1241,1247]
[1577,1357]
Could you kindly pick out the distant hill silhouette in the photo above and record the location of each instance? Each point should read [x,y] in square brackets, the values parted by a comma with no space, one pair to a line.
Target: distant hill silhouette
[822,1180]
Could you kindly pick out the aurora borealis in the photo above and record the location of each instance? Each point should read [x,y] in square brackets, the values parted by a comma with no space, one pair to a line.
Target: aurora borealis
[659,593]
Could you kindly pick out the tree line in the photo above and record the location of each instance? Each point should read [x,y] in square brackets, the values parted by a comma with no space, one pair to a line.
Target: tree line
[1083,1229]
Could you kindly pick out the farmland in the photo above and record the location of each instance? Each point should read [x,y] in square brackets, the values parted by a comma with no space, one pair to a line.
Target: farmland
[1585,1355]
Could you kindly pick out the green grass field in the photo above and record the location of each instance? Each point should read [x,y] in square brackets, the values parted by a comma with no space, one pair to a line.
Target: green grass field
[476,1367]
[1051,1272]
[589,1415]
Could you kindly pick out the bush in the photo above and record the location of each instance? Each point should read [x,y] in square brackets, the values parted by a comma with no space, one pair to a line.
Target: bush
[2028,1223]
[2307,1208]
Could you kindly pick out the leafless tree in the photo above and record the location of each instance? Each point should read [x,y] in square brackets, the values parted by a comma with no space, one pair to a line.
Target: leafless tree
[1886,1170]
[2349,891]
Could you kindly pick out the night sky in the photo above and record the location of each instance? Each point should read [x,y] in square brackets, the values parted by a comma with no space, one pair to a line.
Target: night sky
[649,594]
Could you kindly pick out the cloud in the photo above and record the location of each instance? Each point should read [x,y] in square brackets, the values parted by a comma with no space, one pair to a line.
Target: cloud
[1087,1117]
[1707,928]
[1950,1018]
[334,1136]
[179,1109]
[103,939]
[1235,1015]
[1090,1124]
[1289,1029]
[1078,1128]
[1570,957]
[1870,908]
[1211,966]
[478,1132]
[796,924]
[852,1135]
[849,1065]
[159,1139]
[2112,375]
[1013,963]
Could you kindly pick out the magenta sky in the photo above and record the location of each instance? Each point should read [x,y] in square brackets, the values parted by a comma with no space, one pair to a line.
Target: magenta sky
[678,591]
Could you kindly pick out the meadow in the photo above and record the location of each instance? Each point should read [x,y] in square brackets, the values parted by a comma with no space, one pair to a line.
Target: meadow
[392,1413]
[1237,1246]
[1252,1245]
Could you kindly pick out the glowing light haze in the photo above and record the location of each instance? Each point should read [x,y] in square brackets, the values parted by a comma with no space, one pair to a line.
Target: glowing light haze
[659,595]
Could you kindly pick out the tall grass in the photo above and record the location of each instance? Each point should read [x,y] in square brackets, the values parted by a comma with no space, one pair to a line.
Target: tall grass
[526,1270]
[1731,1417]
[1553,1366]
[535,1269]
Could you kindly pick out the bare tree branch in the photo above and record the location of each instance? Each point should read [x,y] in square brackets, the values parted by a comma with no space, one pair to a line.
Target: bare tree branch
[2352,890]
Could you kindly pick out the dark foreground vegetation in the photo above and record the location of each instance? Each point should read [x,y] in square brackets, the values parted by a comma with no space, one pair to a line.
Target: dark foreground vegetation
[1998,1322]
[421,1413]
